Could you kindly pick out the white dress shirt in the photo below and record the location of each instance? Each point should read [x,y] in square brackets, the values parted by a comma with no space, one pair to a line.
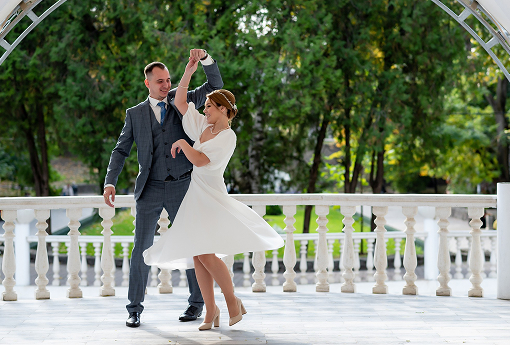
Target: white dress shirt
[154,102]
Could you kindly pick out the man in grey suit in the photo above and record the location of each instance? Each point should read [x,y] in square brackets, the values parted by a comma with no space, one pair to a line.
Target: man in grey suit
[154,125]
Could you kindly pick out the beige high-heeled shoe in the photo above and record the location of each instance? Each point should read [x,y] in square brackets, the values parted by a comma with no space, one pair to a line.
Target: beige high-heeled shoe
[233,320]
[204,326]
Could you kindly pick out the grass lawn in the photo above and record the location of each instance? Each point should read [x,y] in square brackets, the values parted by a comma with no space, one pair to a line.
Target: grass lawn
[123,226]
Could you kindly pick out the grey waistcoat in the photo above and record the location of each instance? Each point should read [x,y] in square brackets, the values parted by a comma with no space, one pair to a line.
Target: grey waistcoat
[163,136]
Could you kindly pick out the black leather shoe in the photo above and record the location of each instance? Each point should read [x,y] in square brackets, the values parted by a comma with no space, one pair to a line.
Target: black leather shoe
[133,320]
[190,314]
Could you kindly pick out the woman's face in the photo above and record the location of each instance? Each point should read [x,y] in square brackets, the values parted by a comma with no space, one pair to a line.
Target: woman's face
[212,112]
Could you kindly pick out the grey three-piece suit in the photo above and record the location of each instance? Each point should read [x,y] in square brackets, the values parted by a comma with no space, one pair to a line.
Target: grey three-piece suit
[162,181]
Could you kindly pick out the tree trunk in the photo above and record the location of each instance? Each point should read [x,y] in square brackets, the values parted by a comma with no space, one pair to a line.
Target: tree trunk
[314,172]
[254,154]
[376,183]
[499,105]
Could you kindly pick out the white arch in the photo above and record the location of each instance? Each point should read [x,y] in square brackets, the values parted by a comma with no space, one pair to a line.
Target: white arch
[11,12]
[497,12]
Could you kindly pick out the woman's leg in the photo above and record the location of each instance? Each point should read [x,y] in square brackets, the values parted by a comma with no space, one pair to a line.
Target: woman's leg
[219,272]
[206,283]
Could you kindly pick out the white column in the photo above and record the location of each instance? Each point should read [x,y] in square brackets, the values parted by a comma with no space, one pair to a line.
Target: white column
[431,242]
[107,263]
[348,249]
[331,262]
[246,269]
[443,255]
[458,259]
[259,260]
[275,267]
[22,231]
[73,255]
[56,263]
[303,264]
[503,261]
[370,259]
[9,259]
[83,249]
[125,264]
[165,276]
[322,284]
[494,251]
[289,255]
[357,243]
[97,264]
[42,264]
[381,258]
[397,262]
[476,260]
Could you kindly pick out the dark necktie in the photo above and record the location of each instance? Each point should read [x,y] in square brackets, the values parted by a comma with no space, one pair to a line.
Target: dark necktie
[163,112]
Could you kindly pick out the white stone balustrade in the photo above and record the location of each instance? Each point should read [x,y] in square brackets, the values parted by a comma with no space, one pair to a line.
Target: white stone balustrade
[328,251]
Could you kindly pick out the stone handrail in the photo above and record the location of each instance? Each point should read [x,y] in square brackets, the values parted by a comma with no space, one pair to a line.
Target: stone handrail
[22,210]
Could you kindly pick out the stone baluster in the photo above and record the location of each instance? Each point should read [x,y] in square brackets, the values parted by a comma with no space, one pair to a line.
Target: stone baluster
[493,259]
[443,256]
[183,280]
[341,267]
[482,273]
[97,264]
[322,284]
[9,259]
[275,267]
[56,263]
[73,254]
[331,263]
[107,263]
[165,276]
[114,265]
[154,276]
[468,259]
[397,263]
[259,260]
[458,259]
[42,264]
[229,261]
[246,269]
[316,252]
[476,259]
[289,255]
[303,264]
[83,250]
[381,258]
[370,259]
[125,264]
[410,260]
[348,249]
[357,243]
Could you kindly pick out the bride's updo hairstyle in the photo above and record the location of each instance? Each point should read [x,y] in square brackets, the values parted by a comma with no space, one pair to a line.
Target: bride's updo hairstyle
[224,98]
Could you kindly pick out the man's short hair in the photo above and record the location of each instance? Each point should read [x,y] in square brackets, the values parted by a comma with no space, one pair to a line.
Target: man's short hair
[148,69]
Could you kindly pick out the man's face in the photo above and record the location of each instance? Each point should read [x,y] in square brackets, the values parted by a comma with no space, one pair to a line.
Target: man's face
[158,82]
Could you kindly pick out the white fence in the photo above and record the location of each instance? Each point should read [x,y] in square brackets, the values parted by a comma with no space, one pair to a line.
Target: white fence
[18,212]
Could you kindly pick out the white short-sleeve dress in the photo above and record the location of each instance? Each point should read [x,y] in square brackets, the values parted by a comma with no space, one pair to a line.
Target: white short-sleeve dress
[209,220]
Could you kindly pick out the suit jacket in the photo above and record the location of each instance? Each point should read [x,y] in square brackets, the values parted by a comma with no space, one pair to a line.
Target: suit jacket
[137,128]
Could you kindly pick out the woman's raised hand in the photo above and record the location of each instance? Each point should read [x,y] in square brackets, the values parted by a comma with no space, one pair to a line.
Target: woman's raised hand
[192,65]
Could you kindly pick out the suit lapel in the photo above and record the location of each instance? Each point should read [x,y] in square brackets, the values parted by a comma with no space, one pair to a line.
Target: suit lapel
[146,117]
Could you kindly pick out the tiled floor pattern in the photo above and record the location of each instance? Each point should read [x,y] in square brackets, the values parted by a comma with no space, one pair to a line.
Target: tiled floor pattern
[274,317]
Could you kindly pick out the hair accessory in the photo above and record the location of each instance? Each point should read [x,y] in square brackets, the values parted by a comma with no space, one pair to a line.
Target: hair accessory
[232,106]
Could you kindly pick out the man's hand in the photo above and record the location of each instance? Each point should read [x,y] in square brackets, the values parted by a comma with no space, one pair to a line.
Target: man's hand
[197,54]
[109,192]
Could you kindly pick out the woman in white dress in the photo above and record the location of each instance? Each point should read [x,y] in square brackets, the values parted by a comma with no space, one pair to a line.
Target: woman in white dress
[210,223]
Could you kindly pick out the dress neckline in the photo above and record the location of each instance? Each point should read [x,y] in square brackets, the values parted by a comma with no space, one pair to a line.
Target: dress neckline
[200,137]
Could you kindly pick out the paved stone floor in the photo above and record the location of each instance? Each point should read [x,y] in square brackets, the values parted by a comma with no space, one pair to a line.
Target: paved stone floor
[274,317]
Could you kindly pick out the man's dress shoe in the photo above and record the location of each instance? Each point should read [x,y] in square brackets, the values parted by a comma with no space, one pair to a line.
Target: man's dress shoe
[133,320]
[190,314]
